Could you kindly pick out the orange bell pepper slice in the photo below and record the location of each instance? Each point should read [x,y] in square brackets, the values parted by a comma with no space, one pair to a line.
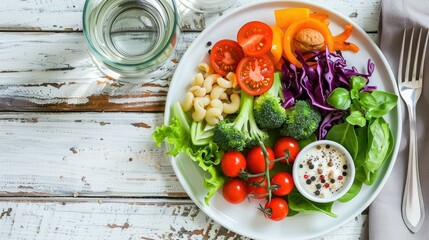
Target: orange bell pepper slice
[340,40]
[285,17]
[321,17]
[299,25]
[277,44]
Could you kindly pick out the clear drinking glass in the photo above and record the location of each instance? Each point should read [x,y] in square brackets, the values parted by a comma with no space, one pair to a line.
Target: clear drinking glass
[208,6]
[130,38]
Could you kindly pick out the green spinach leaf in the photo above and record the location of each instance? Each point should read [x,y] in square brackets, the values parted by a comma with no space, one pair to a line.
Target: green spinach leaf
[352,192]
[345,135]
[299,203]
[378,145]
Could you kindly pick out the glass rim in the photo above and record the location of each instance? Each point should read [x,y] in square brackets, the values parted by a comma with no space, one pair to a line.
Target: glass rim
[174,32]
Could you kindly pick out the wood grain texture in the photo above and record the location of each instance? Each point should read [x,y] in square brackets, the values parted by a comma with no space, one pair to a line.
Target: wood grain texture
[91,154]
[91,219]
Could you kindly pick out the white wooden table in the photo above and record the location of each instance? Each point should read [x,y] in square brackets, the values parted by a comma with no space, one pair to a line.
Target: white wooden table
[76,157]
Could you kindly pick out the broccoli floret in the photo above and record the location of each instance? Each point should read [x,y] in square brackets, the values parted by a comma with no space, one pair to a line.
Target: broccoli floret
[268,111]
[242,132]
[229,138]
[302,120]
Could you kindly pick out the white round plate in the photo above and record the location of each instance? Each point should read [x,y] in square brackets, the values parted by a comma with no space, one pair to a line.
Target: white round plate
[244,218]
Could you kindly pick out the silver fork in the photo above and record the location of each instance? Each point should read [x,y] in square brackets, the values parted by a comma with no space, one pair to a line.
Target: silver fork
[410,88]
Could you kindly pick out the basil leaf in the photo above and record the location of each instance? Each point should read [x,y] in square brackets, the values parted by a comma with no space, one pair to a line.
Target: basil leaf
[354,94]
[356,118]
[358,82]
[385,103]
[367,101]
[339,98]
[345,135]
[299,203]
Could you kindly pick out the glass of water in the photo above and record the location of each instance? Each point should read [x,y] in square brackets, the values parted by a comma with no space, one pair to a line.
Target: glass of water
[131,38]
[207,6]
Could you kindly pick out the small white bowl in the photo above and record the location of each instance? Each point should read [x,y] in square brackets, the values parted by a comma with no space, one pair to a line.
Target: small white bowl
[323,171]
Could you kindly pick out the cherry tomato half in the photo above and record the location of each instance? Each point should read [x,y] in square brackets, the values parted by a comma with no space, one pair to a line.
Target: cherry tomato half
[256,161]
[276,209]
[255,75]
[234,191]
[255,38]
[225,56]
[233,163]
[257,187]
[285,144]
[285,182]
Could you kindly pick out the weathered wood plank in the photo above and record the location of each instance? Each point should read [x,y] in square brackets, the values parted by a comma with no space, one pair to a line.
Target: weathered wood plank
[88,154]
[99,219]
[62,15]
[54,72]
[121,219]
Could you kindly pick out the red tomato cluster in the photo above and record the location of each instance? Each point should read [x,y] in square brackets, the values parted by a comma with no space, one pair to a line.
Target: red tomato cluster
[247,57]
[236,165]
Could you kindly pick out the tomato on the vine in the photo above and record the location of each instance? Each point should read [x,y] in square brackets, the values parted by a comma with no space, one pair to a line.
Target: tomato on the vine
[234,191]
[225,56]
[255,38]
[256,160]
[255,75]
[257,187]
[285,183]
[276,209]
[284,145]
[233,163]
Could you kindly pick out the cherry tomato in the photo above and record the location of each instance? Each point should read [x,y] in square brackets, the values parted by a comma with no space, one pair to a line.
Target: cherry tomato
[285,182]
[232,163]
[257,187]
[255,38]
[234,191]
[255,75]
[285,144]
[256,161]
[276,209]
[225,56]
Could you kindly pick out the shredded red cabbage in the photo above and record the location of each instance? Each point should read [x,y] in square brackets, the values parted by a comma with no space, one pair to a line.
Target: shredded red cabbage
[319,76]
[328,121]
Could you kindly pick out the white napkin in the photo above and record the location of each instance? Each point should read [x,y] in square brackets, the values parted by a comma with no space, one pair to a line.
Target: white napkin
[385,219]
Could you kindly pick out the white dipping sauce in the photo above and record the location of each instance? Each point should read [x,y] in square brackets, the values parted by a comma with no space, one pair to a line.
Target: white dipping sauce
[323,170]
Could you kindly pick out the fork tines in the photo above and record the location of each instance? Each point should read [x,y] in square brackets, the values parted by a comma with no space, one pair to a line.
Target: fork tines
[408,42]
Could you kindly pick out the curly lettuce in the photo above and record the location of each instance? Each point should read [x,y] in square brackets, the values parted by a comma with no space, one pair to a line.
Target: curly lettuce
[178,136]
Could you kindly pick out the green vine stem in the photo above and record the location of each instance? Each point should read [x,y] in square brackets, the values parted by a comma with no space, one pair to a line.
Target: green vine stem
[267,171]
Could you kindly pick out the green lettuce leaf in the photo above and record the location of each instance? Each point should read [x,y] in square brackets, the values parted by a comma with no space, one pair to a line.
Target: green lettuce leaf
[177,136]
[208,158]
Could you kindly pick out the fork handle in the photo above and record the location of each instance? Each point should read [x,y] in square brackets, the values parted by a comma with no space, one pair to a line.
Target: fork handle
[413,212]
